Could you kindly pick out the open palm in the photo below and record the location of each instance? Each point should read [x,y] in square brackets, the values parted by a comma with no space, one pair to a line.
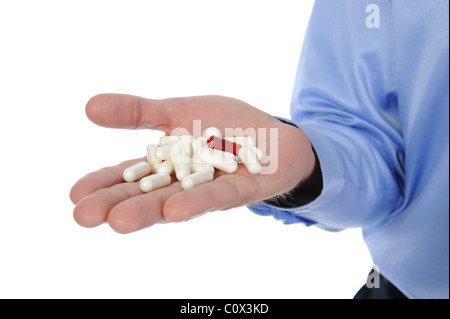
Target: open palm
[103,196]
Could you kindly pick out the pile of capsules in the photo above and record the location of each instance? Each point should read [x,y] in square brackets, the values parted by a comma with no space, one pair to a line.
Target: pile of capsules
[193,161]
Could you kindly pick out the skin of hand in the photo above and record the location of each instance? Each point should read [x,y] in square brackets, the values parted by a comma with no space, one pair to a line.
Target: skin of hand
[103,196]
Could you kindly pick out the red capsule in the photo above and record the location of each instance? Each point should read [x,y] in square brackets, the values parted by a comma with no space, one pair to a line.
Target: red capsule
[223,145]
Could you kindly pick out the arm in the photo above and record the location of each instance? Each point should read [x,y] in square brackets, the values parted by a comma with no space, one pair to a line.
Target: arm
[345,101]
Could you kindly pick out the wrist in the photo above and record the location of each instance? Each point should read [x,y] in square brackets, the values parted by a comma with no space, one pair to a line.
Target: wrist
[307,181]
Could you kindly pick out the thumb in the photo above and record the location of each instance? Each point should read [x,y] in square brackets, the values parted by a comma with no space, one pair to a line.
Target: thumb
[132,112]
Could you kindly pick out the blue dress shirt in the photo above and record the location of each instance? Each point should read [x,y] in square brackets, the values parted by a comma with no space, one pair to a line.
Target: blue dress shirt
[372,95]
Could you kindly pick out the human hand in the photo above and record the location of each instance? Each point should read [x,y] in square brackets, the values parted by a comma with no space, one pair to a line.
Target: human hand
[103,196]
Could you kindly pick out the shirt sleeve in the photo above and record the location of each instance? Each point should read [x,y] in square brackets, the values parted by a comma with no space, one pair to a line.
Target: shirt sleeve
[345,101]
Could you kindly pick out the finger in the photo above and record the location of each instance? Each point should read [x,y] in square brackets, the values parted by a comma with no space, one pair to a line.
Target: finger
[93,209]
[102,178]
[132,112]
[226,191]
[141,211]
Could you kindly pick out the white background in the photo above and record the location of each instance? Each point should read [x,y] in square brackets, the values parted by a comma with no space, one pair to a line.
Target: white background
[55,55]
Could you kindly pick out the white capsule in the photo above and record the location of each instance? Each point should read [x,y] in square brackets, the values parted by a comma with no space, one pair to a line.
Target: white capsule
[259,153]
[224,161]
[200,167]
[181,170]
[181,151]
[197,178]
[154,181]
[136,171]
[151,158]
[212,131]
[163,152]
[180,156]
[198,144]
[250,159]
[165,167]
[173,139]
[243,140]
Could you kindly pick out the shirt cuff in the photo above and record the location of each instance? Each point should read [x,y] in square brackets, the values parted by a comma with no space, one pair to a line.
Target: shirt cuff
[286,217]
